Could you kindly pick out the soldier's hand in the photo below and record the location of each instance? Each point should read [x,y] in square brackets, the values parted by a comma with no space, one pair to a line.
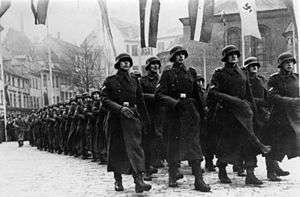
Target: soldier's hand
[125,111]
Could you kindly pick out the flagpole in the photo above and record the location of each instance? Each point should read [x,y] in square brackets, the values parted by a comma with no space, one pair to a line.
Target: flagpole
[294,45]
[204,66]
[3,89]
[51,101]
[243,45]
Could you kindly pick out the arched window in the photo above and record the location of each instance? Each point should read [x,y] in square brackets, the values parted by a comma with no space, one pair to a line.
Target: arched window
[233,36]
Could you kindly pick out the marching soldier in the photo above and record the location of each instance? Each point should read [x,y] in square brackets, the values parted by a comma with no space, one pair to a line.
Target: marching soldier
[178,91]
[258,86]
[73,138]
[70,127]
[148,84]
[62,127]
[83,108]
[233,117]
[19,125]
[122,97]
[98,130]
[282,131]
[50,129]
[207,143]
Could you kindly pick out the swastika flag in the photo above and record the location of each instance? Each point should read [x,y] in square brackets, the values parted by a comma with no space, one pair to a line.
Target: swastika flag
[248,15]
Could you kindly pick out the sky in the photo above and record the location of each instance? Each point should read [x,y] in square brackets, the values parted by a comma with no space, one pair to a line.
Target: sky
[75,19]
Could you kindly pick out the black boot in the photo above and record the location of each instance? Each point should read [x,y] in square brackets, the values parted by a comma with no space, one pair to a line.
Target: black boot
[199,184]
[235,168]
[102,159]
[279,171]
[173,173]
[148,176]
[209,166]
[251,179]
[118,182]
[271,170]
[140,185]
[223,175]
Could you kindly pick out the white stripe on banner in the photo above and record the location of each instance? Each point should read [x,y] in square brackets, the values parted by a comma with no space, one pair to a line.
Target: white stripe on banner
[147,21]
[199,20]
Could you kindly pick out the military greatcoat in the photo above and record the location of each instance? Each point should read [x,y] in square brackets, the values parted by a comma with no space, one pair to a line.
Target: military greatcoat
[125,151]
[283,130]
[182,132]
[230,135]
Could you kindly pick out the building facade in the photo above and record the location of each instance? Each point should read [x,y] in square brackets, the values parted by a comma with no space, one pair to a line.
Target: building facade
[274,20]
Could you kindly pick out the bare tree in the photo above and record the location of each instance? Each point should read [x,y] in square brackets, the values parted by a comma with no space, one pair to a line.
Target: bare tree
[85,67]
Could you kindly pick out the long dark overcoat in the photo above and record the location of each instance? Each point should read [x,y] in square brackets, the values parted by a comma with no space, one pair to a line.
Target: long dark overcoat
[153,137]
[283,130]
[183,141]
[228,128]
[125,152]
[258,85]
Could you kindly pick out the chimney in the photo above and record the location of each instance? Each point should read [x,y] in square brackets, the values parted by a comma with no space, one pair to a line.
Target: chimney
[186,28]
[58,35]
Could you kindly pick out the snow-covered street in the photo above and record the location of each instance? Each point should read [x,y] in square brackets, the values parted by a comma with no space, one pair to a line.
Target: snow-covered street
[27,171]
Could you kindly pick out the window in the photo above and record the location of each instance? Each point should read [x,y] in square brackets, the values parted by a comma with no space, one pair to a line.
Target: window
[28,101]
[34,102]
[160,46]
[37,102]
[20,99]
[45,80]
[19,83]
[57,99]
[10,98]
[5,78]
[23,83]
[31,101]
[36,83]
[24,101]
[128,49]
[13,81]
[56,81]
[62,96]
[134,49]
[15,100]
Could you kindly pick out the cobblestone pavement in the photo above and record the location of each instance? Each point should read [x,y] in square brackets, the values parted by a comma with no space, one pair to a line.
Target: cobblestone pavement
[27,171]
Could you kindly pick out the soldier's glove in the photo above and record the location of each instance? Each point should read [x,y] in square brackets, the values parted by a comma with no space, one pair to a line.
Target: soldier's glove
[125,111]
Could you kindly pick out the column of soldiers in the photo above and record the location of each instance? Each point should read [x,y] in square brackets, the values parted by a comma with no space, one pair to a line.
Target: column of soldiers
[136,123]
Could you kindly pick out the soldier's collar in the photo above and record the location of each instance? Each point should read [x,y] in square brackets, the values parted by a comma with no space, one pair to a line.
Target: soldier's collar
[124,74]
[152,75]
[286,74]
[178,66]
